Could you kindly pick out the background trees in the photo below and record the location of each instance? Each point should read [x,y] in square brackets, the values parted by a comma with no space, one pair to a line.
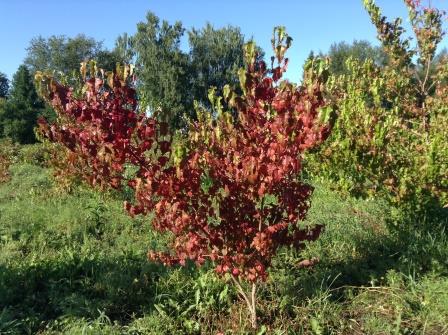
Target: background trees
[171,79]
[124,49]
[4,85]
[215,56]
[62,55]
[19,113]
[361,50]
[163,69]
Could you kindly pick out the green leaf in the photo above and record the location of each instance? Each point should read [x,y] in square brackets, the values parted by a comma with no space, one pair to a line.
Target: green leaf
[197,296]
[206,182]
[83,70]
[211,95]
[242,78]
[159,309]
[223,294]
[226,91]
[325,114]
[249,52]
[262,330]
[317,329]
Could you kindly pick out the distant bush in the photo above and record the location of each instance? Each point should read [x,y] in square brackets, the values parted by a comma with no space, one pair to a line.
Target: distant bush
[37,154]
[8,153]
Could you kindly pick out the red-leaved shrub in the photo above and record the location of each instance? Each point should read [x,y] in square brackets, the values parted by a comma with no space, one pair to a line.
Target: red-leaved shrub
[229,191]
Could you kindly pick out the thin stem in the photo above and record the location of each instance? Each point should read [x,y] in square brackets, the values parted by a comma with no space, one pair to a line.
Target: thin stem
[250,301]
[261,213]
[431,86]
[428,66]
[241,291]
[254,311]
[424,93]
[417,76]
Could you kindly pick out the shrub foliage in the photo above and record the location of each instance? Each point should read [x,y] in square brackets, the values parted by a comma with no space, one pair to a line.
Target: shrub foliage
[390,136]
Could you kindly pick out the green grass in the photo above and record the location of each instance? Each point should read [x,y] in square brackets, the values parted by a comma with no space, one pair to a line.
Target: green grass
[76,264]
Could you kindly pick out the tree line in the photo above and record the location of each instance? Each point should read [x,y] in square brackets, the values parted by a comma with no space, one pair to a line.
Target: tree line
[170,79]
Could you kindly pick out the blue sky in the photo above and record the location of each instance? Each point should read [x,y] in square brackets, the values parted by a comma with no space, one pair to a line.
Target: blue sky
[314,24]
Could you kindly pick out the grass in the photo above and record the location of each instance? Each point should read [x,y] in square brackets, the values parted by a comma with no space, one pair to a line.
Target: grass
[76,264]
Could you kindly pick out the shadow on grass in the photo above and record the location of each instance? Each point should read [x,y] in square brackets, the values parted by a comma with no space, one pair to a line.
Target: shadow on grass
[122,288]
[412,247]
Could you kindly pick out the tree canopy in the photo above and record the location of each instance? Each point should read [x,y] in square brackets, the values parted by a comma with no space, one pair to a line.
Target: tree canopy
[171,79]
[163,69]
[19,114]
[215,55]
[360,50]
[62,55]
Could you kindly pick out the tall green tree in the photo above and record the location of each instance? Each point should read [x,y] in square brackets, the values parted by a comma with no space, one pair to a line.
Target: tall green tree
[124,48]
[4,85]
[163,69]
[171,79]
[19,114]
[215,55]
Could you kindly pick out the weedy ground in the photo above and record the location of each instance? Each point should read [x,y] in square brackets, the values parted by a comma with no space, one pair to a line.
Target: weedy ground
[75,263]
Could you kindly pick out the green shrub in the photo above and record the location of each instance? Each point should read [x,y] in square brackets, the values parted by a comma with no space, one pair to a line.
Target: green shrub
[37,154]
[390,135]
[8,154]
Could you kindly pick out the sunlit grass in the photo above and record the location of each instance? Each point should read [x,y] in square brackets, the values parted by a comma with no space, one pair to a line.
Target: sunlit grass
[76,264]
